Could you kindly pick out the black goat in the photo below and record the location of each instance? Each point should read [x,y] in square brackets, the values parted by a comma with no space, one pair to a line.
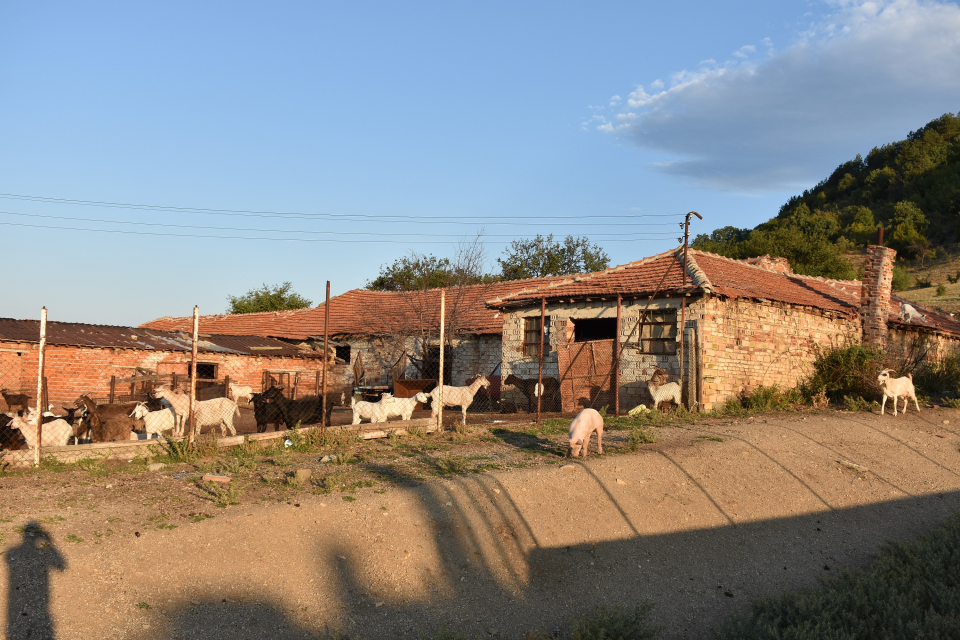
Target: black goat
[527,386]
[272,407]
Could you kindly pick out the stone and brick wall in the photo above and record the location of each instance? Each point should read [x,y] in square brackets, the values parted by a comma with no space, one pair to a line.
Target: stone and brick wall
[746,344]
[635,368]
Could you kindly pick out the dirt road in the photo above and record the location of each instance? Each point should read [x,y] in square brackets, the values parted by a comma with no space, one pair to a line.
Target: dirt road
[700,522]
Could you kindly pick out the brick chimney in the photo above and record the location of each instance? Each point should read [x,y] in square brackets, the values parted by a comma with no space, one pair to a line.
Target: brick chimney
[875,295]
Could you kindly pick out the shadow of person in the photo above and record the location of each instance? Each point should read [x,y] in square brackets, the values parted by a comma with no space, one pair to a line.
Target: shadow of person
[28,575]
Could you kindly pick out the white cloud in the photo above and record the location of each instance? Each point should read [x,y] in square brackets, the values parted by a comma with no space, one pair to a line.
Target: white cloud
[866,74]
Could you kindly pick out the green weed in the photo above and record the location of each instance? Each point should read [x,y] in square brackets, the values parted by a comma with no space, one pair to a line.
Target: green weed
[72,538]
[615,623]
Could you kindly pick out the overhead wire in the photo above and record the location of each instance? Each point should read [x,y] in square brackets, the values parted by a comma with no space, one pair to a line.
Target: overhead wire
[445,219]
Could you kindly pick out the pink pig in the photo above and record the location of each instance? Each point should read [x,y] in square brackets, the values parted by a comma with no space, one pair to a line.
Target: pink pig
[582,427]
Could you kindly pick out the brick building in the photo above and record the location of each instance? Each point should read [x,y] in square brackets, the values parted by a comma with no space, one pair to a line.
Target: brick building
[747,323]
[379,327]
[84,358]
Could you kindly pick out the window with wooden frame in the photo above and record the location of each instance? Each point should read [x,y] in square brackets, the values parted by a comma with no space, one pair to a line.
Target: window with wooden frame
[659,332]
[531,336]
[206,371]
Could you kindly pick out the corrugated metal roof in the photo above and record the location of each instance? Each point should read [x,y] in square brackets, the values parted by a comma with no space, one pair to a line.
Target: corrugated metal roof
[106,336]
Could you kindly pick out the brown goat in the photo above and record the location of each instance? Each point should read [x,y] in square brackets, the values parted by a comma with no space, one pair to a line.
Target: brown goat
[115,428]
[12,398]
[97,415]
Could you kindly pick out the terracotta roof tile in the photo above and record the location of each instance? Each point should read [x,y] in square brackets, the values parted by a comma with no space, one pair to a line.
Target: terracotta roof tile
[364,312]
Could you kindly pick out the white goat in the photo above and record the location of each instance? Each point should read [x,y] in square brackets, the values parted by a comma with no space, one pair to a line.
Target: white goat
[458,396]
[909,313]
[55,434]
[179,402]
[156,422]
[402,407]
[661,390]
[238,393]
[218,412]
[896,387]
[372,411]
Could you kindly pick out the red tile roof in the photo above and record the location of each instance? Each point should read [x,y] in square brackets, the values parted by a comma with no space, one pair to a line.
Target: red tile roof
[752,279]
[363,312]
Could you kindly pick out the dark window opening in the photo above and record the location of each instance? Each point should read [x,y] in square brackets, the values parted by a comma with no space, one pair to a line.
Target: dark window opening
[431,364]
[343,353]
[206,371]
[585,330]
[531,336]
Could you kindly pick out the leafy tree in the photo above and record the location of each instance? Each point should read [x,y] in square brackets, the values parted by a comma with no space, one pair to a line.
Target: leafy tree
[907,227]
[544,256]
[901,278]
[278,297]
[413,272]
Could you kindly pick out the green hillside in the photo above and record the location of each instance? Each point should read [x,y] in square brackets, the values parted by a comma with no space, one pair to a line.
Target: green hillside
[910,187]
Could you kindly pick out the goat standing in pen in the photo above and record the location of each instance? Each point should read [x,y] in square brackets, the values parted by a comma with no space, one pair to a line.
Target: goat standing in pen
[661,390]
[458,396]
[896,387]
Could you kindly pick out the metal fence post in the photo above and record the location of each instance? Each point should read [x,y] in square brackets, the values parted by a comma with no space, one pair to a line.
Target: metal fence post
[440,372]
[616,360]
[326,348]
[539,389]
[193,372]
[40,363]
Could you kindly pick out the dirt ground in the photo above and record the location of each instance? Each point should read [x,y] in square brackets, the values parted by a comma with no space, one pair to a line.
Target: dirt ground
[491,533]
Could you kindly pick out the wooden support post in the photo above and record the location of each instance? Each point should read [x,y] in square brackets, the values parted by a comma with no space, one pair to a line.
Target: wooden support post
[113,388]
[175,382]
[326,347]
[539,388]
[193,373]
[226,386]
[616,360]
[296,383]
[40,384]
[440,368]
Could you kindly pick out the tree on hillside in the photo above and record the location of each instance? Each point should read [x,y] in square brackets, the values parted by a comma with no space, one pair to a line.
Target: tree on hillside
[538,257]
[278,297]
[910,187]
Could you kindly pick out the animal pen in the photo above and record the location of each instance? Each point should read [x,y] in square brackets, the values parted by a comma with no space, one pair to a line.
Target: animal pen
[115,389]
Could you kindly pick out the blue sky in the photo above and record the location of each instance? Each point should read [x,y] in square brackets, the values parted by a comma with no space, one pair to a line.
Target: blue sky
[451,119]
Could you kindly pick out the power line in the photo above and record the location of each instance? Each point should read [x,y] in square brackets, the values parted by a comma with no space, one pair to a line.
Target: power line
[221,237]
[336,233]
[471,220]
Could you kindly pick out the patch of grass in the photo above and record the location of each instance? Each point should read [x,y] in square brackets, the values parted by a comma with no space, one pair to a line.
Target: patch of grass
[223,495]
[615,623]
[166,525]
[144,605]
[52,463]
[452,466]
[910,591]
[174,451]
[856,403]
[52,519]
[712,438]
[345,457]
[200,517]
[348,498]
[640,435]
[953,403]
[72,538]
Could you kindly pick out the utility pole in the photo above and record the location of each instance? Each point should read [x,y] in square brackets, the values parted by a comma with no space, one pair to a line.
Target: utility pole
[683,292]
